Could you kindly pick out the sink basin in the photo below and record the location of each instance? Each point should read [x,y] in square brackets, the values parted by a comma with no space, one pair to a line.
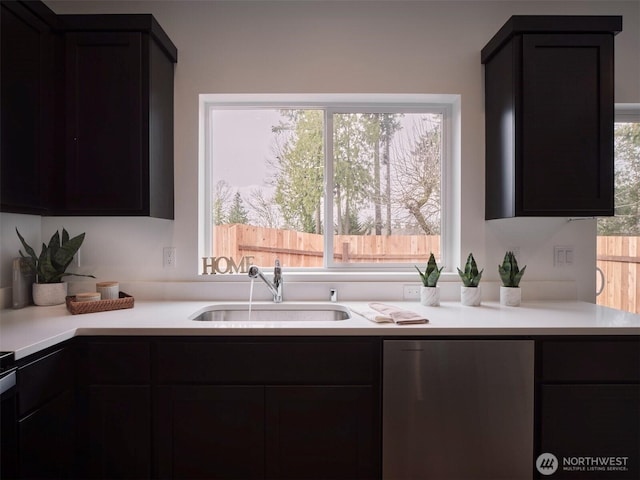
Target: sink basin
[272,312]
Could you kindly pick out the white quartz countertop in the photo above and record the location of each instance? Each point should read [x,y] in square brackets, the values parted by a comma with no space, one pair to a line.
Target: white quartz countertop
[32,329]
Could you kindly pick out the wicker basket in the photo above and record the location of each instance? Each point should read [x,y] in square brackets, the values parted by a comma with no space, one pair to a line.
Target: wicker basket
[125,301]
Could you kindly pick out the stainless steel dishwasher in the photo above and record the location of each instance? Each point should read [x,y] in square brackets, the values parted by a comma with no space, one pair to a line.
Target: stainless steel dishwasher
[458,409]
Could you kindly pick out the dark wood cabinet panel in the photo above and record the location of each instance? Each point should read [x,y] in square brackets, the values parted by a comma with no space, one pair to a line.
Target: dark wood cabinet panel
[592,421]
[119,97]
[210,432]
[120,361]
[87,113]
[591,360]
[44,378]
[268,408]
[114,435]
[588,406]
[549,96]
[46,411]
[104,170]
[47,440]
[321,432]
[262,361]
[115,408]
[28,88]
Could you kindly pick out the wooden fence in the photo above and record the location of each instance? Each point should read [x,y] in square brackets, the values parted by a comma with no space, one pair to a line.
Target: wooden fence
[297,249]
[619,260]
[618,257]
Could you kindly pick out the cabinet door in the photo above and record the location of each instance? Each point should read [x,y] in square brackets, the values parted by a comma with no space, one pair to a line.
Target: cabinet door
[321,432]
[46,440]
[115,434]
[564,143]
[580,423]
[27,66]
[105,169]
[210,432]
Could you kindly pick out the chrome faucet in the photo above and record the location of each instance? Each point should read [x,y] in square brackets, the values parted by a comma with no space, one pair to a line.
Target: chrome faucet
[276,286]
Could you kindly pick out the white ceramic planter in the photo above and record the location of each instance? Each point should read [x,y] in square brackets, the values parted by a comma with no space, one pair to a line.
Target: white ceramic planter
[510,296]
[470,296]
[430,296]
[45,294]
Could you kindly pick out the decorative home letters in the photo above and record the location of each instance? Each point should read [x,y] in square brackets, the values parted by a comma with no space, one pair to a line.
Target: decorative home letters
[215,265]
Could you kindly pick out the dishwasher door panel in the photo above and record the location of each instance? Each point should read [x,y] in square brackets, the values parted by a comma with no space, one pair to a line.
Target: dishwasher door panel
[458,409]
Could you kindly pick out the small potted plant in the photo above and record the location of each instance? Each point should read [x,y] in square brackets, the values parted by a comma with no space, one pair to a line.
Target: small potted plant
[470,294]
[50,266]
[430,292]
[510,274]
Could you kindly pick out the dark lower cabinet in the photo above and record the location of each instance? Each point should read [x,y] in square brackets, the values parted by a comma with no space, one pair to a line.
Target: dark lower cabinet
[593,430]
[46,415]
[320,432]
[114,408]
[47,440]
[275,408]
[589,408]
[115,436]
[210,432]
[254,432]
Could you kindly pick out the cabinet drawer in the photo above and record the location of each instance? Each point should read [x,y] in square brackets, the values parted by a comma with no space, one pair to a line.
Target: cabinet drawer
[43,379]
[591,360]
[259,362]
[104,362]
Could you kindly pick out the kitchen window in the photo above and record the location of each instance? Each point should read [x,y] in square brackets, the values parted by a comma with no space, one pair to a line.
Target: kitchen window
[327,182]
[618,243]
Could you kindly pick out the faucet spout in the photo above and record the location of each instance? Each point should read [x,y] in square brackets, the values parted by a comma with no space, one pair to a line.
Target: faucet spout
[274,287]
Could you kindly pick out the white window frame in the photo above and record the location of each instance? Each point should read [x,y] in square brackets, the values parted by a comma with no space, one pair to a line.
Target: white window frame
[447,105]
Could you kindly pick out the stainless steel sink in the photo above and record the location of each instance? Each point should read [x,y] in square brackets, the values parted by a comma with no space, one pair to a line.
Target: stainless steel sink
[272,312]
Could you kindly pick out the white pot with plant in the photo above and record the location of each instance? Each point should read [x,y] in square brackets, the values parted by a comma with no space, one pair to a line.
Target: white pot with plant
[50,266]
[510,274]
[470,294]
[430,291]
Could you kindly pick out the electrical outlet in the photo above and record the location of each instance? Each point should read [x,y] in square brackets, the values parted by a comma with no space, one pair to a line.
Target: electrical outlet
[411,292]
[169,257]
[563,256]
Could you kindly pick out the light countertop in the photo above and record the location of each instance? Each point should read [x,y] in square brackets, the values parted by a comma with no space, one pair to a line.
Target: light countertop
[32,329]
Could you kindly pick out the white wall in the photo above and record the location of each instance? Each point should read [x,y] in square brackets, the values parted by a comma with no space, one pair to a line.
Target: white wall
[335,47]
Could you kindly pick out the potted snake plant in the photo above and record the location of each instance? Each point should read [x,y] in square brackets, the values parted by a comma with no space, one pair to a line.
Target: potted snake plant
[470,294]
[430,291]
[510,274]
[50,266]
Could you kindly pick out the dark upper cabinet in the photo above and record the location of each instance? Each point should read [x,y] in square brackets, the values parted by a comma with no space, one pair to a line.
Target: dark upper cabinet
[29,132]
[549,110]
[87,113]
[119,116]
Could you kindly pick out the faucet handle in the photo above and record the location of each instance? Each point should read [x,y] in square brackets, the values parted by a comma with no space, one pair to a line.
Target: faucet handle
[254,271]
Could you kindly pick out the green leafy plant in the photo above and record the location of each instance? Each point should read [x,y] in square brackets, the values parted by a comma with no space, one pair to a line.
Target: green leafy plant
[431,274]
[470,277]
[51,265]
[509,272]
